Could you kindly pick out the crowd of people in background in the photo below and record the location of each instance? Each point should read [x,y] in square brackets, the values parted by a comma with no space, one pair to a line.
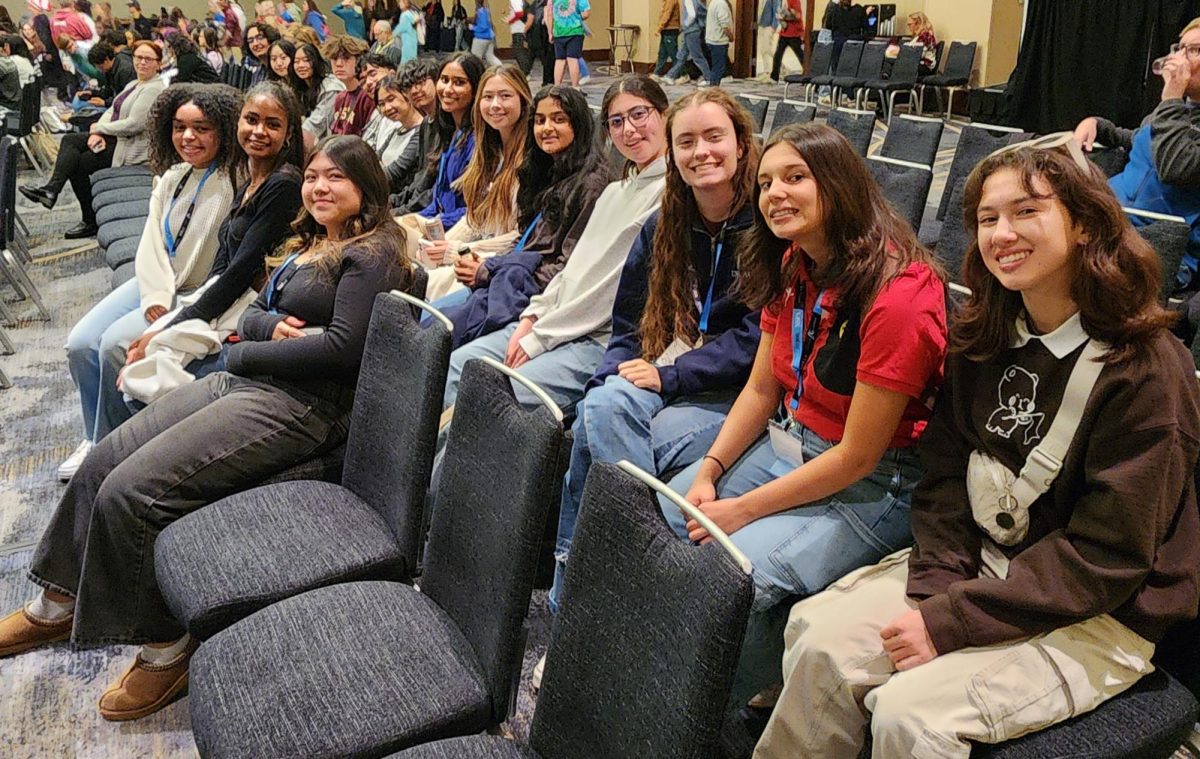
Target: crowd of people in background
[754,321]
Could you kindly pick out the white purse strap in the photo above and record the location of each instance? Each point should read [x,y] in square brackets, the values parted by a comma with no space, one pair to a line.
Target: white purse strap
[1046,459]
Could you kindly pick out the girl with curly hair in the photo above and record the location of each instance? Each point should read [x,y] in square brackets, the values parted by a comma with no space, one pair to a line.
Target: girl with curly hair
[193,145]
[286,397]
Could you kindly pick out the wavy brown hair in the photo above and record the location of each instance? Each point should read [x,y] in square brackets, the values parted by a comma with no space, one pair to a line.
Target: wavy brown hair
[489,183]
[868,241]
[221,106]
[670,302]
[1115,276]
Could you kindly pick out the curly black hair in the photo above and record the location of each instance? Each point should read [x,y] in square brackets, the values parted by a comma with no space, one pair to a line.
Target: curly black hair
[220,103]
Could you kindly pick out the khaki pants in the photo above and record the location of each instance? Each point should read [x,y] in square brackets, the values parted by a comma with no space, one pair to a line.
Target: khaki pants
[837,678]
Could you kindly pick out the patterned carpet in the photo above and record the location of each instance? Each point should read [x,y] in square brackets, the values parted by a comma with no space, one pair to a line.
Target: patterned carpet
[48,697]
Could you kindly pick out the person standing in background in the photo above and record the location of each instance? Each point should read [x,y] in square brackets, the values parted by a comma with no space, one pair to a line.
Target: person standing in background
[483,44]
[844,20]
[518,23]
[668,34]
[564,21]
[791,34]
[694,16]
[351,15]
[719,36]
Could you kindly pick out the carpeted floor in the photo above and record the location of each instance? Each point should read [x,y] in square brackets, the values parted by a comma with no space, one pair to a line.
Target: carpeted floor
[48,697]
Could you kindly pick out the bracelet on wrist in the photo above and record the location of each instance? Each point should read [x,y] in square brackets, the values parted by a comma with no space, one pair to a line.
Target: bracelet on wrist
[717,461]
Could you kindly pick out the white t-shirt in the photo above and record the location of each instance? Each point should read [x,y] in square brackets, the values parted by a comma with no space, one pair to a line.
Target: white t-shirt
[517,26]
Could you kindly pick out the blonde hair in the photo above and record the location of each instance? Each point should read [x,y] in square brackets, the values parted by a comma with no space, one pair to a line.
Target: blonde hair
[489,184]
[1193,24]
[923,22]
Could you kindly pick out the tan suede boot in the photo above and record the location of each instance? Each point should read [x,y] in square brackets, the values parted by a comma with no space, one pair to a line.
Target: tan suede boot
[21,631]
[146,688]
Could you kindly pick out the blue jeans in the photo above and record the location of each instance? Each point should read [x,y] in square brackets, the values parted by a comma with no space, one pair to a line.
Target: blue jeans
[620,421]
[720,58]
[561,372]
[693,50]
[96,352]
[458,297]
[798,552]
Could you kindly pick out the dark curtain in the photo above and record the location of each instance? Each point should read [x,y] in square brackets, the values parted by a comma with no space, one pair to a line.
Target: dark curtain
[1092,58]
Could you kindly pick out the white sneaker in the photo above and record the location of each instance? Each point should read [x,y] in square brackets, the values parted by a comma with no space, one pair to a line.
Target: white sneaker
[585,79]
[537,673]
[685,79]
[68,468]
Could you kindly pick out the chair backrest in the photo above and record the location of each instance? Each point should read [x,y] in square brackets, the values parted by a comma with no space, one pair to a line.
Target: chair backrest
[855,126]
[976,142]
[499,476]
[938,51]
[847,64]
[643,651]
[394,423]
[757,108]
[960,60]
[913,138]
[870,65]
[8,190]
[822,57]
[1168,235]
[904,69]
[793,112]
[904,184]
[31,101]
[953,241]
[1110,160]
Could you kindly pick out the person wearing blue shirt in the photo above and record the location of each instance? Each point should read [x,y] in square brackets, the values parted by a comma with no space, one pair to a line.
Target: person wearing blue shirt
[483,44]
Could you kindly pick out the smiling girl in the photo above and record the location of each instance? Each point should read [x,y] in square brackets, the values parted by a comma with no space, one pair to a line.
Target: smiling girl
[1008,617]
[318,89]
[812,471]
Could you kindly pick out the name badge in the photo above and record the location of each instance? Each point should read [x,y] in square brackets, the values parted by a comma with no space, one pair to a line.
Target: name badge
[786,446]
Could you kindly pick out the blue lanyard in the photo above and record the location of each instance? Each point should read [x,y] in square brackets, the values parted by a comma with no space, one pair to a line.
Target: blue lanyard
[274,285]
[172,240]
[528,231]
[804,337]
[706,311]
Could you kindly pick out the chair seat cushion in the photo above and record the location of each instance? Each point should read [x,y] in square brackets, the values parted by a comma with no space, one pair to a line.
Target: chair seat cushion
[941,80]
[797,78]
[100,186]
[822,80]
[134,170]
[358,669]
[887,85]
[121,252]
[1153,718]
[118,230]
[221,563]
[470,747]
[127,209]
[847,81]
[121,196]
[122,274]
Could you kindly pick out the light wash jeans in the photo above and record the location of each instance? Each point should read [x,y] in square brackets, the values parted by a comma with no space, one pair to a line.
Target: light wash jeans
[456,298]
[620,421]
[96,352]
[693,50]
[485,50]
[798,552]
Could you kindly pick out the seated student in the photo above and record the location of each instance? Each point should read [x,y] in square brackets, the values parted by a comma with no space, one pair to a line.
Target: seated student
[13,46]
[1163,173]
[458,81]
[281,66]
[352,107]
[1000,623]
[206,41]
[411,188]
[397,123]
[682,344]
[561,335]
[256,45]
[116,71]
[117,139]
[489,186]
[287,396]
[318,89]
[372,69]
[853,338]
[562,176]
[193,144]
[190,66]
[259,220]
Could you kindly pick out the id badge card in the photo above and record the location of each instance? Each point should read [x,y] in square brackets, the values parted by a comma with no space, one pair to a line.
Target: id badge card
[785,445]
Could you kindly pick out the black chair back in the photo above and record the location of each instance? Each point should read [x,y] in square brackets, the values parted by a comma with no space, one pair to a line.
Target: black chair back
[847,64]
[959,62]
[643,651]
[757,108]
[975,142]
[953,241]
[913,138]
[904,184]
[1168,235]
[904,69]
[870,65]
[500,474]
[793,112]
[855,126]
[822,59]
[31,100]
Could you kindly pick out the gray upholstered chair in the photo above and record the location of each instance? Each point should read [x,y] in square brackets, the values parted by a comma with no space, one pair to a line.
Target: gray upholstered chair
[913,138]
[822,57]
[903,78]
[120,195]
[756,106]
[119,230]
[644,649]
[121,252]
[1168,235]
[792,112]
[363,668]
[904,184]
[138,208]
[953,240]
[975,142]
[138,181]
[870,68]
[856,126]
[251,549]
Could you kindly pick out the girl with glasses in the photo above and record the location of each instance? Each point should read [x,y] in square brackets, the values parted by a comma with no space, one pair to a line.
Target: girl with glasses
[1018,609]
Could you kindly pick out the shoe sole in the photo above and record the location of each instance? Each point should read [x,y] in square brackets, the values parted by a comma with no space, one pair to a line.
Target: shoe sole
[177,690]
[36,198]
[20,648]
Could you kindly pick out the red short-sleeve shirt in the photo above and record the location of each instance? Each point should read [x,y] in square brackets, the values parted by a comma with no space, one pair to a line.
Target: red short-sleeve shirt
[898,344]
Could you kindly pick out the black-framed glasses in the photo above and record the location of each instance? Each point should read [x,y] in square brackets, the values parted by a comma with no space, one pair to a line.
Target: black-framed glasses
[1191,51]
[637,116]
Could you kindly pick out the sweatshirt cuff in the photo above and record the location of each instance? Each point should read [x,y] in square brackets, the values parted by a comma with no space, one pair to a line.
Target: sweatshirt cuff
[156,298]
[944,629]
[927,581]
[532,346]
[668,376]
[482,274]
[233,358]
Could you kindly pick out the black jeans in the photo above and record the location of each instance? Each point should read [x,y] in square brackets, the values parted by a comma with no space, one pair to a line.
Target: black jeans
[214,437]
[520,51]
[795,44]
[76,163]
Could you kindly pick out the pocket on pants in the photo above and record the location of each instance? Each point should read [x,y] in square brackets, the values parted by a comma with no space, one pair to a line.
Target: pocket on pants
[1019,693]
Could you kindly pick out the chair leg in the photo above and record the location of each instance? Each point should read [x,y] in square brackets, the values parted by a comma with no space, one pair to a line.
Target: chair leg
[33,161]
[6,345]
[9,262]
[950,102]
[5,382]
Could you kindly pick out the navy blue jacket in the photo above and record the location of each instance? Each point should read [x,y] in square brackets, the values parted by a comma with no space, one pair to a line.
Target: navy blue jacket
[725,358]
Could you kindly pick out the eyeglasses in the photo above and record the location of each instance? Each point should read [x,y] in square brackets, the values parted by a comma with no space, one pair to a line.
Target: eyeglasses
[255,38]
[1050,142]
[145,58]
[1191,51]
[637,116]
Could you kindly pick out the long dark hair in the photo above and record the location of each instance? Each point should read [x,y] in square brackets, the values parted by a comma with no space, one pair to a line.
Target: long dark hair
[309,91]
[1115,274]
[293,145]
[372,227]
[220,104]
[547,184]
[868,241]
[473,67]
[670,308]
[290,79]
[638,85]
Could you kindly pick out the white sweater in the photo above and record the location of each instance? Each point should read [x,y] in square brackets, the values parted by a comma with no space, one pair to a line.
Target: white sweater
[578,302]
[160,277]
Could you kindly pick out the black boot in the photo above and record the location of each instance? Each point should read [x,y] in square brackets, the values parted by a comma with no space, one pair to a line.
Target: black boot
[80,230]
[40,195]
